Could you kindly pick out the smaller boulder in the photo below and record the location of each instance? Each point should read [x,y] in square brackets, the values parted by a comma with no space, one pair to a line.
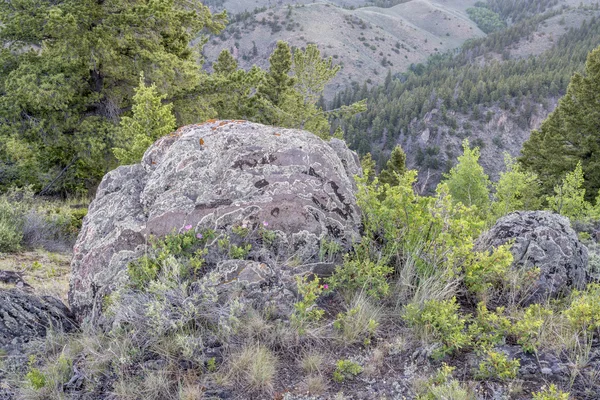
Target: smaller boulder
[24,317]
[544,240]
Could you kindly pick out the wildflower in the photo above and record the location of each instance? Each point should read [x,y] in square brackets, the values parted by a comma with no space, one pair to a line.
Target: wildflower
[187,227]
[325,286]
[199,236]
[265,223]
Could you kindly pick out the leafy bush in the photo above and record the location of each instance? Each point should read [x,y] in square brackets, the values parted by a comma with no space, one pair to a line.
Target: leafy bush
[486,270]
[498,366]
[550,393]
[584,311]
[346,369]
[306,312]
[489,328]
[442,387]
[528,329]
[442,320]
[13,207]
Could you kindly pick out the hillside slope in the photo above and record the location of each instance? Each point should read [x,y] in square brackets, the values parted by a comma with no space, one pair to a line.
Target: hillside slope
[493,92]
[367,41]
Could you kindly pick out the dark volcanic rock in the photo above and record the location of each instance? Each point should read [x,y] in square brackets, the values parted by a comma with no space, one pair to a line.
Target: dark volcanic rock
[24,317]
[545,240]
[215,176]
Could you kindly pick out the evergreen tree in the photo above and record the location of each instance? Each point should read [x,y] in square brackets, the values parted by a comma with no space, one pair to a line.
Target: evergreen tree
[150,121]
[515,190]
[467,182]
[395,168]
[569,197]
[570,134]
[368,167]
[225,63]
[277,82]
[67,72]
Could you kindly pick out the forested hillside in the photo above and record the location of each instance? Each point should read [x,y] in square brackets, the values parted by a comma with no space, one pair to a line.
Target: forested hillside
[494,91]
[365,41]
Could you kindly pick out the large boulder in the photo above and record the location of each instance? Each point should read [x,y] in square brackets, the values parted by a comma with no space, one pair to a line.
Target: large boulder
[24,317]
[545,240]
[214,176]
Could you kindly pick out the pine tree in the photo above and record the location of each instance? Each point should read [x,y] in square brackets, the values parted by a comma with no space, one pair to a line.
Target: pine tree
[569,197]
[277,81]
[64,99]
[368,167]
[395,168]
[150,121]
[225,64]
[570,134]
[515,190]
[467,182]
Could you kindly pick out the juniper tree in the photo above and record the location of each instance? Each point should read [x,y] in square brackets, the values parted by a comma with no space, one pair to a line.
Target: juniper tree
[570,134]
[395,167]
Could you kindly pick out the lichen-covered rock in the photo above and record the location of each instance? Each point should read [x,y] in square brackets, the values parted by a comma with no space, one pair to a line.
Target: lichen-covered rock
[214,176]
[24,317]
[544,240]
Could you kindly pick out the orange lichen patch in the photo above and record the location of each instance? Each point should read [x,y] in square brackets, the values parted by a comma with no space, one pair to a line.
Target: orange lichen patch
[223,123]
[210,121]
[277,134]
[201,142]
[214,128]
[153,162]
[239,121]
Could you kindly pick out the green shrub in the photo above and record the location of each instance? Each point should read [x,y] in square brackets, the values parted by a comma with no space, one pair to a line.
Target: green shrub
[584,311]
[487,270]
[497,366]
[443,387]
[306,312]
[529,327]
[13,207]
[442,320]
[550,393]
[187,249]
[346,369]
[488,328]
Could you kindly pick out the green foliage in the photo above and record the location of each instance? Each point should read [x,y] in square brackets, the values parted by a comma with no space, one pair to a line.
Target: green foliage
[312,73]
[328,249]
[150,121]
[346,369]
[467,182]
[489,328]
[225,63]
[550,393]
[487,270]
[569,136]
[394,169]
[306,313]
[60,102]
[443,321]
[34,376]
[569,198]
[368,167]
[486,19]
[239,252]
[516,190]
[442,387]
[584,311]
[497,366]
[528,329]
[186,248]
[13,207]
[358,272]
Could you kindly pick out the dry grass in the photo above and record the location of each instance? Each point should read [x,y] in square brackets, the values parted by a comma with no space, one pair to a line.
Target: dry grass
[312,362]
[360,320]
[48,273]
[252,369]
[316,385]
